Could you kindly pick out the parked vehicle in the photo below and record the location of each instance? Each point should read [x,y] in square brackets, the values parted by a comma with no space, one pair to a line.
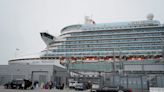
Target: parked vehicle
[7,85]
[94,87]
[60,86]
[72,84]
[80,86]
[18,84]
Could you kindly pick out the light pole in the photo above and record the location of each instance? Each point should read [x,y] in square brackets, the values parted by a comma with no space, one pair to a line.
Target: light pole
[113,63]
[67,67]
[113,59]
[67,62]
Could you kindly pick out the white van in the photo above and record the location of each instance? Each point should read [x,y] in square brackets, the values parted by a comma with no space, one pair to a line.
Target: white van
[72,84]
[95,86]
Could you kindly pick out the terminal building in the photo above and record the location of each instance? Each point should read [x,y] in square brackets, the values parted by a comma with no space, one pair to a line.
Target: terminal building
[130,54]
[40,73]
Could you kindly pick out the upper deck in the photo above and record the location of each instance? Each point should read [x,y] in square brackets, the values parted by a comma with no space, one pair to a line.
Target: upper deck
[110,26]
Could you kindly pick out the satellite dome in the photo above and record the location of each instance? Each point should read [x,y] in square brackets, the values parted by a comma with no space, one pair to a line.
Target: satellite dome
[150,16]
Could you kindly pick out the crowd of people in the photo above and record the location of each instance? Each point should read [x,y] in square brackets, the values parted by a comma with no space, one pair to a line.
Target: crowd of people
[48,85]
[51,85]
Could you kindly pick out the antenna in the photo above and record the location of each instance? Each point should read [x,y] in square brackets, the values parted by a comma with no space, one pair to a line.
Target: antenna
[46,31]
[91,16]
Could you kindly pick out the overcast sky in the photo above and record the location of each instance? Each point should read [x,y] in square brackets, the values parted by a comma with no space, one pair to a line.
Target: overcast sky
[21,21]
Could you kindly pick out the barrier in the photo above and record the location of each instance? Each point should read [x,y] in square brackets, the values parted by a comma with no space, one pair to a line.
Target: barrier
[156,89]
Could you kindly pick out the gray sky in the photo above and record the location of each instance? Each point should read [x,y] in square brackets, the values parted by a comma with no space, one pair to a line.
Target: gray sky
[22,20]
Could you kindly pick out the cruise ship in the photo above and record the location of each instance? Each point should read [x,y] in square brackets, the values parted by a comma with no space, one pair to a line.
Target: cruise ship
[91,42]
